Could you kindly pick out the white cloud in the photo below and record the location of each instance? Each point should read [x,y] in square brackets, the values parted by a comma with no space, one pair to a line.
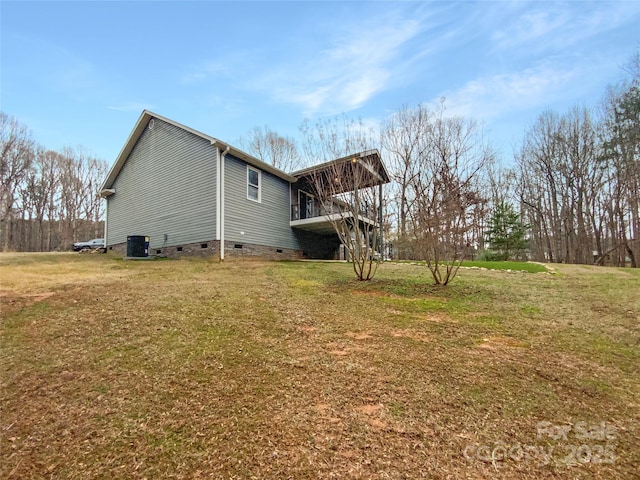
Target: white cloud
[531,27]
[561,25]
[492,96]
[358,65]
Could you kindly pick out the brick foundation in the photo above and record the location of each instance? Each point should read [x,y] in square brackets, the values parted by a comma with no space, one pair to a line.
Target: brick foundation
[232,251]
[237,250]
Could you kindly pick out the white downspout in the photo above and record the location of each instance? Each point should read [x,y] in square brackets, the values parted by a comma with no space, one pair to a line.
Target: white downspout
[218,194]
[221,175]
[106,219]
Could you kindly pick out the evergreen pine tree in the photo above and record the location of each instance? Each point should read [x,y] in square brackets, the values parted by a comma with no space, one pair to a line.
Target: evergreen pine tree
[506,232]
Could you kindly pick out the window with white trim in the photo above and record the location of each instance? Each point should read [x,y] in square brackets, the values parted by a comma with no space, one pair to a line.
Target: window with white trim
[254,183]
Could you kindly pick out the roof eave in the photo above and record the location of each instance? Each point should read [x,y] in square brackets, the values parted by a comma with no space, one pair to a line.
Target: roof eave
[254,161]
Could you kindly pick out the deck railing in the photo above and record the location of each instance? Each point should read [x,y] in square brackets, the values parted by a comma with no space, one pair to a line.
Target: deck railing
[299,212]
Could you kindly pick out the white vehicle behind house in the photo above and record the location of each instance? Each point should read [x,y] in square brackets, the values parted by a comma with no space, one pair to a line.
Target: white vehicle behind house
[90,245]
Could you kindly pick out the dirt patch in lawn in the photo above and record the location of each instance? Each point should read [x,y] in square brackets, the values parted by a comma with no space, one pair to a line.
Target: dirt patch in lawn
[370,409]
[495,343]
[11,301]
[359,335]
[412,334]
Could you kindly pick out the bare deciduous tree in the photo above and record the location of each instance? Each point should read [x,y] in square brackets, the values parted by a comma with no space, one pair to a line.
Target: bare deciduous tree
[272,148]
[560,185]
[448,203]
[621,159]
[47,199]
[49,167]
[436,162]
[16,157]
[405,139]
[348,187]
[80,178]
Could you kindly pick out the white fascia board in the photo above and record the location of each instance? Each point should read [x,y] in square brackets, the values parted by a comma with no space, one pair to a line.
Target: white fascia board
[253,161]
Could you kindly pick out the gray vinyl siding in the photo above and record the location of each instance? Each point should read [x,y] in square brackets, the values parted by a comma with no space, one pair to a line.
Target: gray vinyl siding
[167,187]
[266,223]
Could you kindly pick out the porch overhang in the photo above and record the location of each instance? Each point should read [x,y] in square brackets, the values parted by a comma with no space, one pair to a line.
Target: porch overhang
[324,224]
[371,171]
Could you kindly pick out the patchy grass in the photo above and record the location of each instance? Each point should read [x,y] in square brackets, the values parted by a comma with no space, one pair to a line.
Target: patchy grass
[193,369]
[530,267]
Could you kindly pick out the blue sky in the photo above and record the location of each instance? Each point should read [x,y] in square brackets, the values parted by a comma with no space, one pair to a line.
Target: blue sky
[80,73]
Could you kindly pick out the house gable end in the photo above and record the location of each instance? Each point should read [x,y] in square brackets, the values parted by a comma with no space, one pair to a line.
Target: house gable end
[138,130]
[165,188]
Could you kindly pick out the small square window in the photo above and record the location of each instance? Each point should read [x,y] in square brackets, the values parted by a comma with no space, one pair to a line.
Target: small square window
[237,245]
[158,252]
[179,249]
[203,245]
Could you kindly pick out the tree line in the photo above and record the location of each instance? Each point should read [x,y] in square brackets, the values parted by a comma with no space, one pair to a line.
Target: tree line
[570,194]
[578,180]
[48,199]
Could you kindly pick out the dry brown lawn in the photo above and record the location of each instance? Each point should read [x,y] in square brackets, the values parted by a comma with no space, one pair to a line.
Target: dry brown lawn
[256,370]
